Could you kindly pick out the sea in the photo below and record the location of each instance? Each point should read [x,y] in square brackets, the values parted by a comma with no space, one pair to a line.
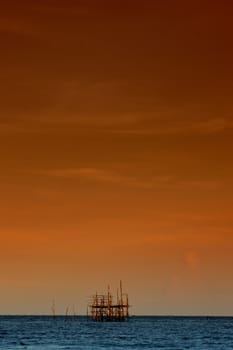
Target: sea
[139,332]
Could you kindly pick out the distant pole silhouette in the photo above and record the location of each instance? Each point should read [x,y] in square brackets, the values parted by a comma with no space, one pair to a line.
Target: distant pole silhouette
[53,308]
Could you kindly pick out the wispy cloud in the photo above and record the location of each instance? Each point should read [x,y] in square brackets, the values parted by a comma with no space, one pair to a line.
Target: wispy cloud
[108,176]
[177,126]
[132,123]
[17,127]
[113,177]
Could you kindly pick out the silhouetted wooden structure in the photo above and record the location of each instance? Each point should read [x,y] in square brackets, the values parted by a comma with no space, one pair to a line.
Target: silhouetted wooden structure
[105,308]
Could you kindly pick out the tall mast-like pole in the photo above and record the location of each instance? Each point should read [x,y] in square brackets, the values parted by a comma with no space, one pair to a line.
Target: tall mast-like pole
[121,293]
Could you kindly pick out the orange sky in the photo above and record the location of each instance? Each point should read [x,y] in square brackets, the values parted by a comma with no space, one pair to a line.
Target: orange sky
[116,136]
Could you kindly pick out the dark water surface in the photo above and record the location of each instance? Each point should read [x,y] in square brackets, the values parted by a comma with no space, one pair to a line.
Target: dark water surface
[44,332]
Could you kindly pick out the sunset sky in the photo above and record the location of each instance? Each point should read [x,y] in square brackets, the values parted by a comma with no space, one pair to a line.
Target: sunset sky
[116,150]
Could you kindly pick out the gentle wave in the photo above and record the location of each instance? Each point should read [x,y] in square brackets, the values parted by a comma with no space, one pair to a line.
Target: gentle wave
[68,333]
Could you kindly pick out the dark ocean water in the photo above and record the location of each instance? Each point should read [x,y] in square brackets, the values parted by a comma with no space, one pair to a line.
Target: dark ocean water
[44,332]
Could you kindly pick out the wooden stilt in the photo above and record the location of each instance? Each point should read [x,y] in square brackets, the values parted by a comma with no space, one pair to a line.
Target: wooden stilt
[103,307]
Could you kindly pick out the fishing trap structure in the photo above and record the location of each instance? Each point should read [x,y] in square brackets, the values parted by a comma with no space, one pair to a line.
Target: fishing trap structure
[104,307]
